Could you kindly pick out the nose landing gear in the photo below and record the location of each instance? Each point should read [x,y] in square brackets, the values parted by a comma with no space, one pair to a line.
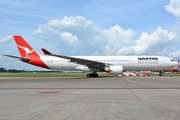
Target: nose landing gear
[160,73]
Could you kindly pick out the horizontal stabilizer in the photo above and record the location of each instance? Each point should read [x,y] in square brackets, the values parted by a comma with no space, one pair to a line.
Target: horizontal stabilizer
[18,58]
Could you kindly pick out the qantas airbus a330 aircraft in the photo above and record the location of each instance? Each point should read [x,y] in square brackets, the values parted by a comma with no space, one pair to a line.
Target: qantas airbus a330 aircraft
[94,64]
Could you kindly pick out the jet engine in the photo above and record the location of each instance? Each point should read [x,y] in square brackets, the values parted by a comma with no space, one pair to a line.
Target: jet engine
[114,69]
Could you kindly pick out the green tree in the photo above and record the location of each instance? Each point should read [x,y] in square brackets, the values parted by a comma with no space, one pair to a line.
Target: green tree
[3,69]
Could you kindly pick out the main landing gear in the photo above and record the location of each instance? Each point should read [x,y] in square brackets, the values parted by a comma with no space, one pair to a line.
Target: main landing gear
[160,73]
[92,75]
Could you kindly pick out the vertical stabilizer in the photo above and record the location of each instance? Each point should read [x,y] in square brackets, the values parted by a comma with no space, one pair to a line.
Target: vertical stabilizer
[28,54]
[24,48]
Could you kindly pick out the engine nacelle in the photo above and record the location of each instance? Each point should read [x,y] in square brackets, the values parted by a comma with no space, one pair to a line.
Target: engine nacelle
[114,69]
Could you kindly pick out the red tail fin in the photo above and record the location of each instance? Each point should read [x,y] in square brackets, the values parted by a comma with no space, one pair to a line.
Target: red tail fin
[24,48]
[27,51]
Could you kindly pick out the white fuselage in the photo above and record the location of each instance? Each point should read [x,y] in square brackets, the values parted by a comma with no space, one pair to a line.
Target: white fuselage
[129,63]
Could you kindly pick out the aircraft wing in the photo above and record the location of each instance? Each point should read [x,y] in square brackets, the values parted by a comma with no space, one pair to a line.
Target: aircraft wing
[18,58]
[89,63]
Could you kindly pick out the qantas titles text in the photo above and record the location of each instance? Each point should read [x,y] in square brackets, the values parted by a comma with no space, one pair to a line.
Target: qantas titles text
[148,60]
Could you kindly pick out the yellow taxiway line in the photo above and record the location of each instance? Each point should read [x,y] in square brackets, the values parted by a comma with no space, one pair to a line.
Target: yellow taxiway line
[151,83]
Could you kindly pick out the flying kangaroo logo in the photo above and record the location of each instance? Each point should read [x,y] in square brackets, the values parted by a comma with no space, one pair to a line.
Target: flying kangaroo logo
[26,50]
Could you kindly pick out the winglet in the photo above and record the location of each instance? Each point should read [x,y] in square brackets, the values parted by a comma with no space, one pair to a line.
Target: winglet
[46,52]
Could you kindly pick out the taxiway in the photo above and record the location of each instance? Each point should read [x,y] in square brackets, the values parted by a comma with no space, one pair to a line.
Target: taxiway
[102,98]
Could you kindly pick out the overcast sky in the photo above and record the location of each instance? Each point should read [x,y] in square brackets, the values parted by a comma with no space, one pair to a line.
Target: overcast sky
[90,27]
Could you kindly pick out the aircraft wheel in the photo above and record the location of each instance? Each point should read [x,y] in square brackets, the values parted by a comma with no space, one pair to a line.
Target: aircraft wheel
[91,75]
[88,75]
[95,75]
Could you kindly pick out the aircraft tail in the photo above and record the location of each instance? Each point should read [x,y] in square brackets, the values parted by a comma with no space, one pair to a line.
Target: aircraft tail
[28,54]
[24,48]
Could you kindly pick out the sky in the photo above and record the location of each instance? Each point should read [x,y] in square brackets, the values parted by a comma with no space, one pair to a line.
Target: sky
[90,28]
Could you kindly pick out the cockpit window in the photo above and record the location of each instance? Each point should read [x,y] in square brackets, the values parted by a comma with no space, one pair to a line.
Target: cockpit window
[172,60]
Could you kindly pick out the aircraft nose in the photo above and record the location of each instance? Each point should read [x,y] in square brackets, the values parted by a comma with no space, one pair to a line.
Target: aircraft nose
[176,63]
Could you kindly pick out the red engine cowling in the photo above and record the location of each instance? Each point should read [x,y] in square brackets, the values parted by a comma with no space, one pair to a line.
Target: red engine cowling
[114,69]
